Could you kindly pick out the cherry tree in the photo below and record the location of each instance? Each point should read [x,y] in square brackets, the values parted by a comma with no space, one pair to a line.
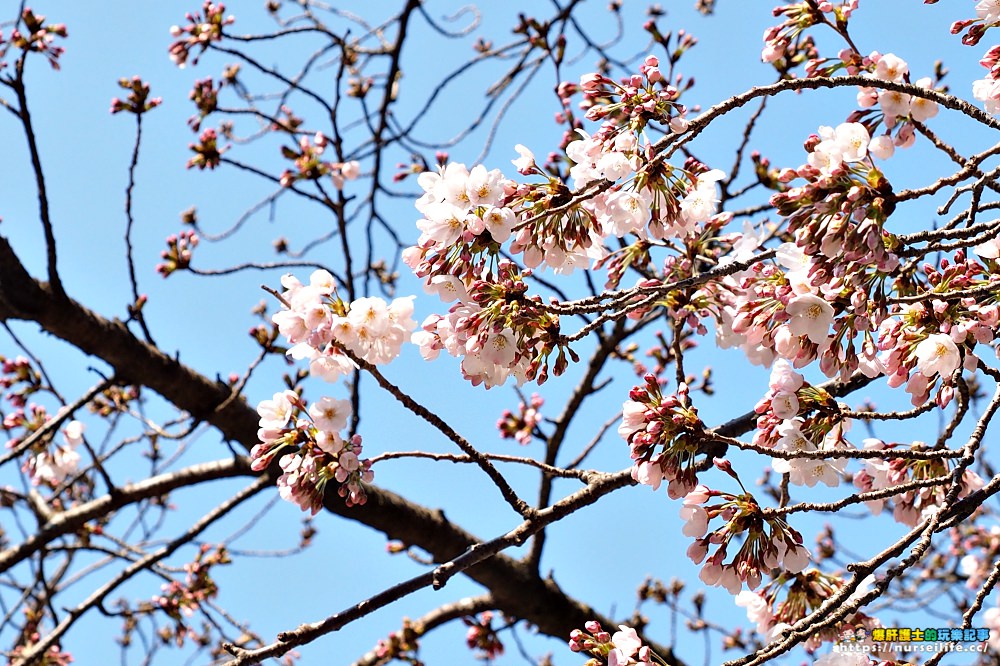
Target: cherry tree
[500,272]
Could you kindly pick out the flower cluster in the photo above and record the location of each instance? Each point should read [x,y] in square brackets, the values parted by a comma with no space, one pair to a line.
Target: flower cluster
[768,542]
[483,637]
[769,312]
[651,420]
[496,328]
[318,323]
[466,216]
[622,648]
[636,101]
[786,44]
[179,600]
[914,505]
[521,426]
[138,100]
[309,166]
[659,202]
[837,215]
[207,152]
[200,31]
[54,656]
[306,442]
[790,597]
[931,339]
[796,417]
[991,620]
[205,96]
[17,372]
[54,462]
[897,108]
[29,418]
[177,256]
[37,37]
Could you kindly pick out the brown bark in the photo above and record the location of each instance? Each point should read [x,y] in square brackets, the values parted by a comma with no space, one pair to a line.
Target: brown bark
[517,588]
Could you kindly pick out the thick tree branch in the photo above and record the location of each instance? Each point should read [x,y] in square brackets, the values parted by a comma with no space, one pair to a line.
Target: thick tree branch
[518,589]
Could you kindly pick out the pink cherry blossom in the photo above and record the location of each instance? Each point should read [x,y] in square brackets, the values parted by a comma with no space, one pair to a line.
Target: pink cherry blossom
[881,147]
[891,67]
[525,164]
[989,249]
[988,11]
[784,405]
[937,354]
[811,316]
[276,412]
[784,378]
[696,521]
[626,640]
[329,414]
[795,559]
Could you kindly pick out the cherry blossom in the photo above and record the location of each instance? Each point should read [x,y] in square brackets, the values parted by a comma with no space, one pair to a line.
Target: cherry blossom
[937,354]
[811,316]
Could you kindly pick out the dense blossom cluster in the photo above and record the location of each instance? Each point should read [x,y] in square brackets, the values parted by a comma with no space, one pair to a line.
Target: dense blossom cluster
[54,656]
[496,329]
[306,442]
[305,439]
[768,542]
[664,434]
[795,417]
[318,323]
